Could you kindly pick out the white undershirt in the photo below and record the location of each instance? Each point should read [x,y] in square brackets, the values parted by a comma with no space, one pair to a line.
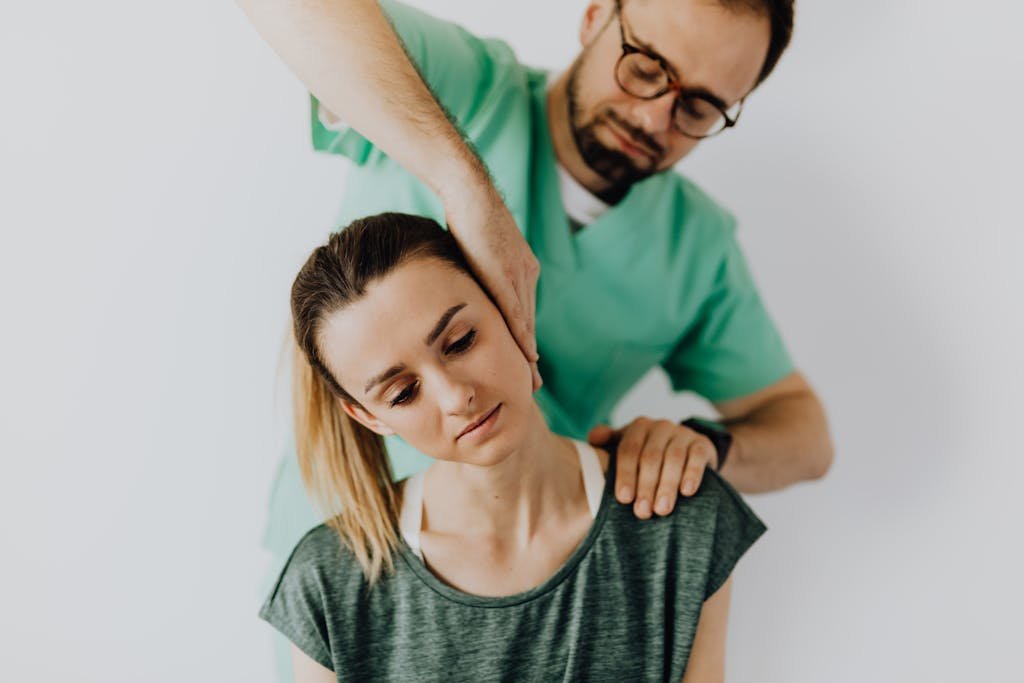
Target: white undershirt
[582,207]
[410,519]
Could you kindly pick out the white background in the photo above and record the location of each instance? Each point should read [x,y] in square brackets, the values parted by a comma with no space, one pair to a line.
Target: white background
[159,192]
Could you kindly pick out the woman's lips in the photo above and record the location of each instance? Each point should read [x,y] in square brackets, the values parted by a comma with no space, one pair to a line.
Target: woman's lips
[479,429]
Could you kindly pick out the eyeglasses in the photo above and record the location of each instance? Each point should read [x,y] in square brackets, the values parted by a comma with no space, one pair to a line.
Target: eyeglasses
[646,75]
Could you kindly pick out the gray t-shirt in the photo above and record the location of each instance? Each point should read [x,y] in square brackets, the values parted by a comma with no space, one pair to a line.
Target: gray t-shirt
[624,606]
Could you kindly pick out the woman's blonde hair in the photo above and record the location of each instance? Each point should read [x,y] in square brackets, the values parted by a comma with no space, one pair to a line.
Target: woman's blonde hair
[344,465]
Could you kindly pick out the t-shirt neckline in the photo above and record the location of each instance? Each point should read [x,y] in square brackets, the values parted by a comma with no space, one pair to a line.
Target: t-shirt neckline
[551,583]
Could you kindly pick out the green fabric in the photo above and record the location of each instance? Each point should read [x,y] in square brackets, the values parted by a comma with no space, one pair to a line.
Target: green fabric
[658,279]
[624,606]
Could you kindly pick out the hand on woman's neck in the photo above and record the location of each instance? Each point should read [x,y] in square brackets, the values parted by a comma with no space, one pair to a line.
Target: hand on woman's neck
[536,485]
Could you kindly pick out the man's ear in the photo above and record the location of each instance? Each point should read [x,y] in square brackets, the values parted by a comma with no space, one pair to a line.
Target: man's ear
[595,17]
[365,418]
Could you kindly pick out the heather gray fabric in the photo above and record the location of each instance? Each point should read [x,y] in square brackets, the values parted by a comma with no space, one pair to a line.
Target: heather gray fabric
[624,606]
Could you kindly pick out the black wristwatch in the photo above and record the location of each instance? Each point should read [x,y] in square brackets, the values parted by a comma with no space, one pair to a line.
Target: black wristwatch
[721,438]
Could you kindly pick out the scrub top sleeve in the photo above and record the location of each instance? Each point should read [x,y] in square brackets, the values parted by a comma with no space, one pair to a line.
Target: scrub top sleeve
[295,607]
[734,348]
[457,66]
[736,529]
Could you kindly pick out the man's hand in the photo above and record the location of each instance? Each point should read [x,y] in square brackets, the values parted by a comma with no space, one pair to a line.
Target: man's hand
[501,259]
[337,48]
[657,459]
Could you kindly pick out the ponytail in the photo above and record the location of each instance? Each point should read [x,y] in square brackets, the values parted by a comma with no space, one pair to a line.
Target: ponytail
[344,465]
[345,470]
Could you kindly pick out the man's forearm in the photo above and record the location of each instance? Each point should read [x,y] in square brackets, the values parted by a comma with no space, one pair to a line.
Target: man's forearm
[341,47]
[781,442]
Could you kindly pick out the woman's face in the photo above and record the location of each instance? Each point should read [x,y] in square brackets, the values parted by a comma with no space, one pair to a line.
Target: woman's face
[429,357]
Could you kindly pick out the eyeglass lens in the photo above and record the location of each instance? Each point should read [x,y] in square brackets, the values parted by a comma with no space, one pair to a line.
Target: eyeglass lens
[644,77]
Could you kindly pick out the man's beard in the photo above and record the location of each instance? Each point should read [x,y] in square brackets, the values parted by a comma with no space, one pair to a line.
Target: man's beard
[614,166]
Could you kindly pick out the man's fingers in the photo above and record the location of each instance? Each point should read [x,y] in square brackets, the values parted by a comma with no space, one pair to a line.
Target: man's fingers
[524,310]
[671,476]
[627,457]
[528,297]
[698,456]
[600,435]
[519,320]
[651,457]
[498,253]
[538,382]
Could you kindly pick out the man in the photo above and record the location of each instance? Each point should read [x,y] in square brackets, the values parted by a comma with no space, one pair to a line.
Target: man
[572,179]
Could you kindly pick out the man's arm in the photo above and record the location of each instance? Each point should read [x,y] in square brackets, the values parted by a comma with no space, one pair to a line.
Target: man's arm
[348,55]
[779,436]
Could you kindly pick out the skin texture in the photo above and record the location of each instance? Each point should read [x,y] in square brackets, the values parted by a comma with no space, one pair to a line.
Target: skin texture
[707,658]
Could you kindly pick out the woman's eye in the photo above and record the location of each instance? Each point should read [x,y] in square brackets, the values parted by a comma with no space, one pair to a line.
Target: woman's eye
[461,344]
[404,396]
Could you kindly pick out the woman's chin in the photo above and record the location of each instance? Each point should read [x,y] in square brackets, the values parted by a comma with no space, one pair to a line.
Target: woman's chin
[494,449]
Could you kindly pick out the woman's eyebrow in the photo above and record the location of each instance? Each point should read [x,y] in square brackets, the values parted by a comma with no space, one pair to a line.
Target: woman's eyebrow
[442,323]
[382,377]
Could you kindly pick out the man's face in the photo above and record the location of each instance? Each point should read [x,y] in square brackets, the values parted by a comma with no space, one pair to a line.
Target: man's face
[708,47]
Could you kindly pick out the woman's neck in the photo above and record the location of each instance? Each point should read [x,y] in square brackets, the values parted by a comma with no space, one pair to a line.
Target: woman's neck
[536,485]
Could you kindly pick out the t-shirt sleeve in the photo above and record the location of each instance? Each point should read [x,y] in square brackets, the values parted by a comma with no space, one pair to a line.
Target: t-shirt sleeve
[734,348]
[295,606]
[736,529]
[457,66]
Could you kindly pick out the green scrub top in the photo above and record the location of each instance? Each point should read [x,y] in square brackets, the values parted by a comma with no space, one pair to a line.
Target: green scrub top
[657,280]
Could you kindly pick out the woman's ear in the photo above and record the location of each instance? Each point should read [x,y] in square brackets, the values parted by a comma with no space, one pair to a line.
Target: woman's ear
[365,418]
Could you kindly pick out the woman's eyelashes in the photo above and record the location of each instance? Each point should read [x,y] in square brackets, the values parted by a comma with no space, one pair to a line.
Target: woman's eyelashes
[404,396]
[461,344]
[457,347]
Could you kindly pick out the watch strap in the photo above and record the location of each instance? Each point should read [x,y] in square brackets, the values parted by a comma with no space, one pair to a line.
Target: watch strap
[718,435]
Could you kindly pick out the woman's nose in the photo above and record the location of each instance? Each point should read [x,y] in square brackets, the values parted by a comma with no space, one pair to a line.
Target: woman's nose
[456,394]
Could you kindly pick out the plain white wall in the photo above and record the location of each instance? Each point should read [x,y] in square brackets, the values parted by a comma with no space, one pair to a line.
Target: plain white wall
[159,193]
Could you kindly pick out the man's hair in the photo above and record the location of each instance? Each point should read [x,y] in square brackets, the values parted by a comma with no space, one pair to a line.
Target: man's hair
[780,13]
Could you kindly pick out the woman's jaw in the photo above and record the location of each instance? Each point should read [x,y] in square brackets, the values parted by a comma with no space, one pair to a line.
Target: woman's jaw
[498,438]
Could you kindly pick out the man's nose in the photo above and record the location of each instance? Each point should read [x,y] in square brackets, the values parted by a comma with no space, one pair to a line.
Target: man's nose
[655,116]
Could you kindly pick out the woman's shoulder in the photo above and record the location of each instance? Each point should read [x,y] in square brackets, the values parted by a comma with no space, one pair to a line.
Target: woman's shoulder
[303,599]
[320,561]
[319,541]
[710,530]
[720,493]
[714,496]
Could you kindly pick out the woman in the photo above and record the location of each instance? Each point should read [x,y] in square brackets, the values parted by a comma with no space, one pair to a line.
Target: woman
[509,558]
